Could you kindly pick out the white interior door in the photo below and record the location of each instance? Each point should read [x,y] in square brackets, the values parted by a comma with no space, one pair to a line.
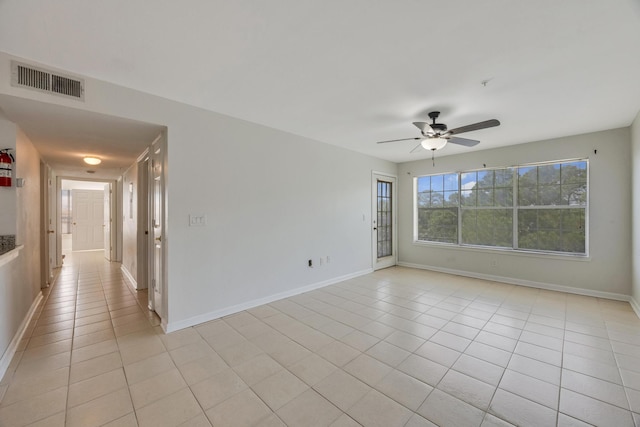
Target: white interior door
[143,223]
[384,222]
[156,191]
[106,226]
[48,241]
[88,220]
[53,223]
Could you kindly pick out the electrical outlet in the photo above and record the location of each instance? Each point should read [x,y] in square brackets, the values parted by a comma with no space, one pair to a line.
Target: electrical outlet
[321,261]
[494,263]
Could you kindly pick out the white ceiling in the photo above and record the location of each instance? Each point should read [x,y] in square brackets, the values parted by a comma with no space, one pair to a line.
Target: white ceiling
[64,136]
[354,72]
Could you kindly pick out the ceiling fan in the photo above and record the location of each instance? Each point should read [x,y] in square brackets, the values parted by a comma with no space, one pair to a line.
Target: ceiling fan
[435,135]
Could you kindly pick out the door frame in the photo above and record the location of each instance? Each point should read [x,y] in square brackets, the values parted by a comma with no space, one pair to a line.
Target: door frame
[115,209]
[379,263]
[161,143]
[89,220]
[145,228]
[107,220]
[48,226]
[142,222]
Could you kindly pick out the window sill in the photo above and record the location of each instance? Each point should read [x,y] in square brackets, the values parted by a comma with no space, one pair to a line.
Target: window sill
[9,256]
[504,251]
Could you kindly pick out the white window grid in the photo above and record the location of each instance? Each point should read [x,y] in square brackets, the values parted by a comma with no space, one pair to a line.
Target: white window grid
[515,207]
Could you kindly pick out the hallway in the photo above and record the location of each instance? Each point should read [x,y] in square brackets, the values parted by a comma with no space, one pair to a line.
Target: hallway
[398,347]
[72,353]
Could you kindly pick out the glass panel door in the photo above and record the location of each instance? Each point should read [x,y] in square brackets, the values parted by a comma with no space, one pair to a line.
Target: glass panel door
[383,212]
[385,219]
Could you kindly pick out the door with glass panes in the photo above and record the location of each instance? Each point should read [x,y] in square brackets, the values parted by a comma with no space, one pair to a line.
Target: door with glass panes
[384,221]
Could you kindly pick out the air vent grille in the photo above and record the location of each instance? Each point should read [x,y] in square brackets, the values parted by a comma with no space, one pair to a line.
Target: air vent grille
[23,75]
[66,86]
[33,78]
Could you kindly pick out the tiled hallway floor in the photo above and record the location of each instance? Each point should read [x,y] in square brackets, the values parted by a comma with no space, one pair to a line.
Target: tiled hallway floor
[398,347]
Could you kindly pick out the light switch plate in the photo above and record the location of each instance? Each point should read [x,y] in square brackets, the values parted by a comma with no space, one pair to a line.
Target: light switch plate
[196,220]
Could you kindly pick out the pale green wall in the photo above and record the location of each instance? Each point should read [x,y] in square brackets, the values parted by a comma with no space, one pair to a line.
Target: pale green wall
[607,270]
[635,226]
[20,278]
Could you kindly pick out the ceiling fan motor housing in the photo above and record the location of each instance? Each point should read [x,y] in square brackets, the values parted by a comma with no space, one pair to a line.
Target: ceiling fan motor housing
[439,127]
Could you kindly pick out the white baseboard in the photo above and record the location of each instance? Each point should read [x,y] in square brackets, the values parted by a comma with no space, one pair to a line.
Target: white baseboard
[196,320]
[131,282]
[634,305]
[521,282]
[13,345]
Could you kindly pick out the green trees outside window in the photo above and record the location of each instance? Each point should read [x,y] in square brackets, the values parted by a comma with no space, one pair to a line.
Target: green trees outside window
[487,207]
[547,204]
[438,201]
[552,201]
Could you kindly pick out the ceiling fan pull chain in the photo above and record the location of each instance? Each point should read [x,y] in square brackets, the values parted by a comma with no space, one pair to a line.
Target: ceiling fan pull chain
[433,157]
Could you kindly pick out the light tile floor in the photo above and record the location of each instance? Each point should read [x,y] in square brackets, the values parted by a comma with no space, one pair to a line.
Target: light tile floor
[399,347]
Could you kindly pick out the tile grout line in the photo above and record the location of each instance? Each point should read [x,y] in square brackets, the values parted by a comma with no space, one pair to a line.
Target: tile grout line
[486,412]
[73,334]
[106,302]
[564,334]
[619,369]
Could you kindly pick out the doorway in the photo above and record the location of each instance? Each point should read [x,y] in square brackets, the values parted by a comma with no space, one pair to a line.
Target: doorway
[49,259]
[146,186]
[86,216]
[156,163]
[384,221]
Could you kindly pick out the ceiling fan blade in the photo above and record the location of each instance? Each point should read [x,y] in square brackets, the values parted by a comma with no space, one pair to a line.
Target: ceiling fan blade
[397,140]
[476,126]
[416,148]
[463,141]
[424,127]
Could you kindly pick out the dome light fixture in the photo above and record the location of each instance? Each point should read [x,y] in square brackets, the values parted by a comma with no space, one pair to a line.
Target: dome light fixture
[433,144]
[92,160]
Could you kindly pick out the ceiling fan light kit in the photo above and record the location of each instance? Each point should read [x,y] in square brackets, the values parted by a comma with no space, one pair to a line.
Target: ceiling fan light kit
[433,144]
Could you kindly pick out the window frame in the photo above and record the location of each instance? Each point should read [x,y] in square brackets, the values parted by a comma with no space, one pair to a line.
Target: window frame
[515,207]
[478,208]
[443,207]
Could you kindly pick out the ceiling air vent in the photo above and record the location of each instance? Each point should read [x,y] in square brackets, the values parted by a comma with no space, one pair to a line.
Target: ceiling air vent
[23,75]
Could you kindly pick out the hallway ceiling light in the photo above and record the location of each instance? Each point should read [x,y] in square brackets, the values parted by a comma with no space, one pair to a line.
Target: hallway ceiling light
[92,160]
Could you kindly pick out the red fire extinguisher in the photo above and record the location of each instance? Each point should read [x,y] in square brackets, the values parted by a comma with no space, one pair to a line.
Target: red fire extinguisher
[6,161]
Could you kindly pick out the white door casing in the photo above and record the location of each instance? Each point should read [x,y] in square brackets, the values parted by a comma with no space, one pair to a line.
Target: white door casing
[49,261]
[53,223]
[88,219]
[143,222]
[384,235]
[156,231]
[106,226]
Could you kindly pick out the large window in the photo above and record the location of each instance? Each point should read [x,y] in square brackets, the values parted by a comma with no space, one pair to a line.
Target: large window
[540,207]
